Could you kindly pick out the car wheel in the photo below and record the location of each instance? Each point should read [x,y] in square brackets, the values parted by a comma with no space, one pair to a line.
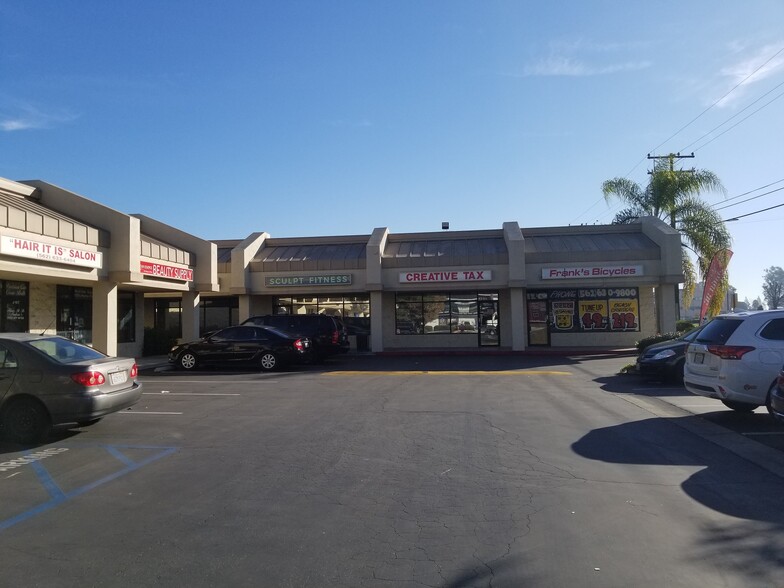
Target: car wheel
[187,360]
[739,406]
[268,361]
[769,398]
[26,421]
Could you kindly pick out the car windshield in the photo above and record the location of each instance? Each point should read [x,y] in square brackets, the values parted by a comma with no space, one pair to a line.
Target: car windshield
[65,350]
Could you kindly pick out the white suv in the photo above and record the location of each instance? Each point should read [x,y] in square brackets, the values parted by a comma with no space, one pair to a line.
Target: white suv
[736,358]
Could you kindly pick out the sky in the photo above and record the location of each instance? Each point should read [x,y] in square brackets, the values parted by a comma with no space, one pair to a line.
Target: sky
[308,118]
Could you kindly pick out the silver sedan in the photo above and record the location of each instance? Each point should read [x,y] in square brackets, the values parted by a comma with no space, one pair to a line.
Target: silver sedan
[48,381]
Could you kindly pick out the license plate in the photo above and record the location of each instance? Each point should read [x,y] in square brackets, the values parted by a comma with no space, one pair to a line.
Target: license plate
[699,357]
[118,378]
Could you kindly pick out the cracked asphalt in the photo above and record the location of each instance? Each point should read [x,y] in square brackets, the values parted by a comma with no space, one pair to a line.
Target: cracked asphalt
[394,472]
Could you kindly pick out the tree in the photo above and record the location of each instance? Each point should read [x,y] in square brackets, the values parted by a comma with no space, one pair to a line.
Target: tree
[674,197]
[773,286]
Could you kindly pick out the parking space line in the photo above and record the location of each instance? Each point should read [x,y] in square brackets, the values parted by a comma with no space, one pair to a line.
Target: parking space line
[148,412]
[167,393]
[59,497]
[451,373]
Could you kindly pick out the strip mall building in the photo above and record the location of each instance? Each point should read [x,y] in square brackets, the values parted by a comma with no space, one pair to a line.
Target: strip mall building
[71,266]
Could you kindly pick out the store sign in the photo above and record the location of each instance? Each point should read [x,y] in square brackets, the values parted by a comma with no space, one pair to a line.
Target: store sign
[50,252]
[593,271]
[169,272]
[474,275]
[316,280]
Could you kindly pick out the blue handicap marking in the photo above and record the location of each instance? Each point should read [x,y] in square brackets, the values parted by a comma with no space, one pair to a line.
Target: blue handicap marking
[57,496]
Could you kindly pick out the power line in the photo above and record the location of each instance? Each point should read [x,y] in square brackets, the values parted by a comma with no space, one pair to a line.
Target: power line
[755,212]
[749,199]
[737,123]
[735,115]
[743,81]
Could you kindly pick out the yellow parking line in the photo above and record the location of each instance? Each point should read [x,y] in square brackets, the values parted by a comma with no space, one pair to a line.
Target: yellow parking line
[451,373]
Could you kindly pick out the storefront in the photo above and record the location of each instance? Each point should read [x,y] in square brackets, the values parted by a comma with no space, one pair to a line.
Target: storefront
[71,266]
[510,288]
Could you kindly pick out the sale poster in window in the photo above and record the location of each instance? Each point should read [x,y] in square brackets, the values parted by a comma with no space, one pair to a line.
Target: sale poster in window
[563,313]
[593,315]
[624,315]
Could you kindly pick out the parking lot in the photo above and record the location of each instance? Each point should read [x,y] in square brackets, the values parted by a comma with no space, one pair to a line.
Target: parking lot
[368,471]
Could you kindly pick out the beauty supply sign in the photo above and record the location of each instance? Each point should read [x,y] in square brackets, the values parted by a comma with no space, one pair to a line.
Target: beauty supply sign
[50,252]
[591,271]
[472,275]
[170,272]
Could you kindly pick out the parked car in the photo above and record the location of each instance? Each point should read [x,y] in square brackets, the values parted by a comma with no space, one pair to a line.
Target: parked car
[47,381]
[736,359]
[777,398]
[665,360]
[326,333]
[264,347]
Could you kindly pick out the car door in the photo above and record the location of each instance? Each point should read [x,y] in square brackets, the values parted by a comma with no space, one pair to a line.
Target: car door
[241,345]
[8,369]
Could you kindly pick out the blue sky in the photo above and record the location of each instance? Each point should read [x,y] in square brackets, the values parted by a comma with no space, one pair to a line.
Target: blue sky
[323,118]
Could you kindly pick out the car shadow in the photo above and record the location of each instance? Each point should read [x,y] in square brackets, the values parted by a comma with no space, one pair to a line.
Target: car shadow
[722,485]
[642,386]
[55,436]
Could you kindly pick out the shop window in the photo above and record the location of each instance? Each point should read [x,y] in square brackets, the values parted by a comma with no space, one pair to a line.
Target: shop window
[354,310]
[126,317]
[217,312]
[437,313]
[168,315]
[14,306]
[586,310]
[75,313]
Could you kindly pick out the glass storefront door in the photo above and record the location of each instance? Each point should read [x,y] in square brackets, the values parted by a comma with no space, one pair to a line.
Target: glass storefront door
[538,323]
[489,330]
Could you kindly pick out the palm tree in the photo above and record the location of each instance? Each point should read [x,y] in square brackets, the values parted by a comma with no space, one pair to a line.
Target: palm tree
[674,197]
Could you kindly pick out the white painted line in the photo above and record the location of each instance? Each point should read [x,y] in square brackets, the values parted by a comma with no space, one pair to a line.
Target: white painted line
[264,381]
[186,393]
[145,412]
[764,433]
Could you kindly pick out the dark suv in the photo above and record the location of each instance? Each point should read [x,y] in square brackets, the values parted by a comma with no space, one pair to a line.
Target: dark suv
[327,334]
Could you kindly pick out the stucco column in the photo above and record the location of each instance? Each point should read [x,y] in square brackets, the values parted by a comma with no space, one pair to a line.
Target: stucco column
[105,318]
[376,321]
[518,326]
[244,307]
[666,310]
[190,316]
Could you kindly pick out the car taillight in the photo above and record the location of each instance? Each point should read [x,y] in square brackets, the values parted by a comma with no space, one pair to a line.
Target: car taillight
[299,344]
[134,371]
[88,378]
[335,337]
[729,351]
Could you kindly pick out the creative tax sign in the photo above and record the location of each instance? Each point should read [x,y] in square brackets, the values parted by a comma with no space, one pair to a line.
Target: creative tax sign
[170,272]
[474,275]
[593,271]
[50,252]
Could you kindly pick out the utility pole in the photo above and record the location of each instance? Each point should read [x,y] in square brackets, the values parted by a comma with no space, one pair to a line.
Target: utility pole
[672,157]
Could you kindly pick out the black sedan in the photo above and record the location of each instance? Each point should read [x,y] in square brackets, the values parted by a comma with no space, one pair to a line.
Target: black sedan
[664,361]
[245,345]
[47,381]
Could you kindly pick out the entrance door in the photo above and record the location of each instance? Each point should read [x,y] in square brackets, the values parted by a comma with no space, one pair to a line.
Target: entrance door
[489,332]
[538,324]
